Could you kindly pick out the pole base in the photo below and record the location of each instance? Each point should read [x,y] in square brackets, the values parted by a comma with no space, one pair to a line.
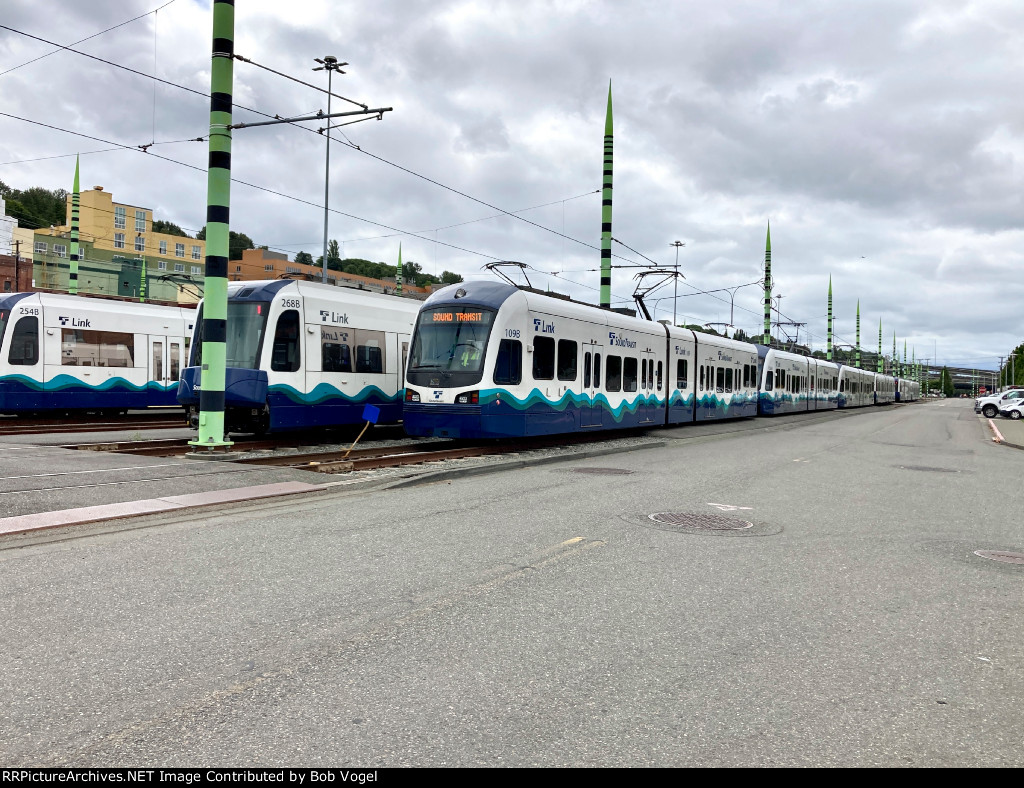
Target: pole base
[212,445]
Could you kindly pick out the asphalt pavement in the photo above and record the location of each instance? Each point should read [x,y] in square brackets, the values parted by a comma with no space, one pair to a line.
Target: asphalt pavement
[836,615]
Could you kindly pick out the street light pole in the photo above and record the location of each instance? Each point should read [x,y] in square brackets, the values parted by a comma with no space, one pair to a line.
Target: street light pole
[675,280]
[329,64]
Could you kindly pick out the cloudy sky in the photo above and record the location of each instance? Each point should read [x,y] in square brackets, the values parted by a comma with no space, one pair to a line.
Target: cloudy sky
[884,140]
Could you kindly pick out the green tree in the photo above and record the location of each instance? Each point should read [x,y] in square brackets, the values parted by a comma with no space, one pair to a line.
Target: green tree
[449,278]
[304,257]
[946,382]
[237,243]
[160,226]
[36,207]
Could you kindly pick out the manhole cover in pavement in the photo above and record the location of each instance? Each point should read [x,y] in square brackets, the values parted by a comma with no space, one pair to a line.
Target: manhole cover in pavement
[927,468]
[604,471]
[703,522]
[1001,556]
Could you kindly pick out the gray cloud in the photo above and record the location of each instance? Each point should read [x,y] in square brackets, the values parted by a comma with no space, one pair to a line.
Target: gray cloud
[883,139]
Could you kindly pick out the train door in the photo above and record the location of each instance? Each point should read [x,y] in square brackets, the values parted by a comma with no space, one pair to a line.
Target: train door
[591,412]
[159,371]
[647,407]
[158,361]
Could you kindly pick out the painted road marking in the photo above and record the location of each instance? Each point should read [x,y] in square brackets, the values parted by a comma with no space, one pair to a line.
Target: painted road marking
[728,507]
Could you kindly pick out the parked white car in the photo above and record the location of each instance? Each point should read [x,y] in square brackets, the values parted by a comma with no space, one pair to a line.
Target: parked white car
[1013,410]
[994,404]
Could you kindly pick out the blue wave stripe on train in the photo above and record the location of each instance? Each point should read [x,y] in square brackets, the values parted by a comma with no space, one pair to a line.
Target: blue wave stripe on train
[66,392]
[326,406]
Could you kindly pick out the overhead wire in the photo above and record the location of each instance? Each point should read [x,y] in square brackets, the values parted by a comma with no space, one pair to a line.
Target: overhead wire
[61,47]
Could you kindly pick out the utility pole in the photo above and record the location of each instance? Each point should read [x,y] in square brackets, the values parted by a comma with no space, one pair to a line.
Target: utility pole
[768,287]
[606,209]
[329,64]
[17,260]
[73,262]
[218,200]
[828,354]
[675,282]
[858,333]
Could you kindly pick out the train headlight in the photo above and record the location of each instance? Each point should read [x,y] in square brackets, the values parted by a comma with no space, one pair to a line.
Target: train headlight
[411,396]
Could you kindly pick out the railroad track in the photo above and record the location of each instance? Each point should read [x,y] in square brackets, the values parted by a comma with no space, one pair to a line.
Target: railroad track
[345,461]
[37,426]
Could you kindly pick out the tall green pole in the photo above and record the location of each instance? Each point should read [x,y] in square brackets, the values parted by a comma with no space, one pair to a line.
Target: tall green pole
[218,201]
[829,346]
[895,358]
[606,209]
[73,270]
[858,333]
[880,370]
[142,277]
[398,274]
[768,287]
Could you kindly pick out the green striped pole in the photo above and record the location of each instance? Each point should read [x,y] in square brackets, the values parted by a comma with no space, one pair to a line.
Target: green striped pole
[218,201]
[606,209]
[142,278]
[858,333]
[829,346]
[880,346]
[895,358]
[73,270]
[398,273]
[768,287]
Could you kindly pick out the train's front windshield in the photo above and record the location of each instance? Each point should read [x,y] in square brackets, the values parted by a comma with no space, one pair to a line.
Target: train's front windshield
[5,315]
[247,322]
[450,343]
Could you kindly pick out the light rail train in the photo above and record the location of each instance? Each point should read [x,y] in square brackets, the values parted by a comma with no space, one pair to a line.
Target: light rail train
[68,354]
[302,355]
[491,360]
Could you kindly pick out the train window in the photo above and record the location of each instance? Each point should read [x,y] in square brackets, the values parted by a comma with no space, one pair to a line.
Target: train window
[158,361]
[659,376]
[543,358]
[629,366]
[586,370]
[812,382]
[285,355]
[720,380]
[567,351]
[643,373]
[746,375]
[842,385]
[681,371]
[370,351]
[508,367]
[335,351]
[597,370]
[613,376]
[25,342]
[80,348]
[175,360]
[728,381]
[768,378]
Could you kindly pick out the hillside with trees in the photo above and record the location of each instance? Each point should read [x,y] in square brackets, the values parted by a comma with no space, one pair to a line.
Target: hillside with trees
[36,207]
[412,272]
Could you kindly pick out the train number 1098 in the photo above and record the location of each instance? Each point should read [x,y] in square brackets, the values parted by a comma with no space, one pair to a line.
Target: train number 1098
[512,333]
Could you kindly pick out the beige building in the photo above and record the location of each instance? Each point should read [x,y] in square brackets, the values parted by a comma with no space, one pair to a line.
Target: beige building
[264,264]
[119,254]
